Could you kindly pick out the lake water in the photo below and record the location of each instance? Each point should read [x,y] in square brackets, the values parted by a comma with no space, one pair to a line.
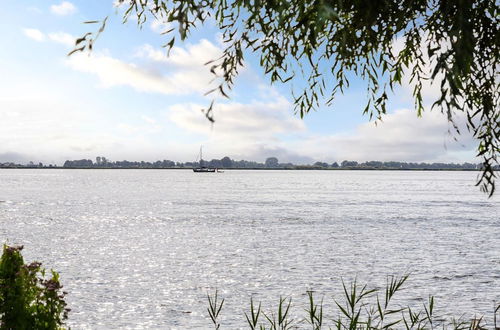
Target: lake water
[141,248]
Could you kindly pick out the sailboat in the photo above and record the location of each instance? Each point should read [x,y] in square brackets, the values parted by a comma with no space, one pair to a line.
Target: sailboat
[201,168]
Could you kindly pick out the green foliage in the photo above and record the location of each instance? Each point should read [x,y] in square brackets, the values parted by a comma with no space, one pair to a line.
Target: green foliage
[360,309]
[253,320]
[315,316]
[214,308]
[27,299]
[281,320]
[454,44]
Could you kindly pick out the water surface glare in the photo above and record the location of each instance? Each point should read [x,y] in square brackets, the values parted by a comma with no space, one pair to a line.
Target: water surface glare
[141,248]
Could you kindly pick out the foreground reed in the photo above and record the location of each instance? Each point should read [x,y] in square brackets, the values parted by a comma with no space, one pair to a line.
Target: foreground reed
[360,309]
[30,298]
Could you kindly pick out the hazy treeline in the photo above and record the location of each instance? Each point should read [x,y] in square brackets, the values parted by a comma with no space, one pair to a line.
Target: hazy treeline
[271,162]
[226,162]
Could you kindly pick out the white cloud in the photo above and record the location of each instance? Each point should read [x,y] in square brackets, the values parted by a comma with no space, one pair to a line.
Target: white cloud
[431,89]
[159,26]
[129,129]
[113,72]
[13,157]
[148,120]
[31,125]
[45,126]
[251,131]
[183,72]
[267,128]
[58,37]
[150,127]
[62,38]
[402,136]
[250,122]
[34,34]
[284,152]
[243,130]
[192,55]
[63,9]
[151,53]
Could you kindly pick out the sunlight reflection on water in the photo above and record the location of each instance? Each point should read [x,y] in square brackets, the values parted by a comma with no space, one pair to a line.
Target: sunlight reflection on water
[141,248]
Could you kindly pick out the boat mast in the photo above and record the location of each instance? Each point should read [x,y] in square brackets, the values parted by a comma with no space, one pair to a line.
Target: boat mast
[201,157]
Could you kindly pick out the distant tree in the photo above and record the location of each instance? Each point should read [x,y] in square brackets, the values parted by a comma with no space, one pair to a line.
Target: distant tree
[78,163]
[168,163]
[335,165]
[272,162]
[247,164]
[321,164]
[374,163]
[469,166]
[393,164]
[451,43]
[240,163]
[286,165]
[349,163]
[215,163]
[226,162]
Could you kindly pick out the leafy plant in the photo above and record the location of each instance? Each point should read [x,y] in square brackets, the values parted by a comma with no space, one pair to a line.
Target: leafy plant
[315,312]
[281,320]
[253,320]
[29,300]
[360,309]
[214,308]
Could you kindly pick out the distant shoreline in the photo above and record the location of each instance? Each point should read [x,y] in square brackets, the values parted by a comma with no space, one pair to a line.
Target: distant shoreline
[271,163]
[257,168]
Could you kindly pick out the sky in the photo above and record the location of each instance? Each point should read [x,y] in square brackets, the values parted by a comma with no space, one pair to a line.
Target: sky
[129,100]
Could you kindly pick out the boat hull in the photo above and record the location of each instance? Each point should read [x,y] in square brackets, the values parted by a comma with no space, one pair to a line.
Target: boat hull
[204,170]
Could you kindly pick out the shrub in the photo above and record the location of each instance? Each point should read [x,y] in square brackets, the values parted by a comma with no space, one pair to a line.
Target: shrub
[28,299]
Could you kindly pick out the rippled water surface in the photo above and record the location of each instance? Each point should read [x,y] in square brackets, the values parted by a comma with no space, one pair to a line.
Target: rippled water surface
[141,248]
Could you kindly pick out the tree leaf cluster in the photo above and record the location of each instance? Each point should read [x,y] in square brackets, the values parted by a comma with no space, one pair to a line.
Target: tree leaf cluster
[452,43]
